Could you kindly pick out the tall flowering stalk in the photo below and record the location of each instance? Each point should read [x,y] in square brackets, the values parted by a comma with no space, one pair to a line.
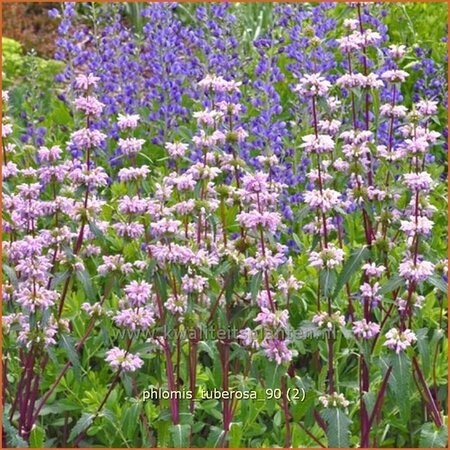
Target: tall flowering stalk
[201,207]
[38,303]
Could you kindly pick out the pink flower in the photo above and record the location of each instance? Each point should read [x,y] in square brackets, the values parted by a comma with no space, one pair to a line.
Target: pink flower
[132,230]
[185,182]
[176,149]
[112,264]
[207,117]
[393,111]
[325,200]
[176,305]
[426,107]
[127,121]
[133,173]
[418,181]
[133,319]
[86,138]
[248,338]
[49,154]
[398,340]
[131,146]
[260,263]
[327,321]
[372,270]
[121,359]
[397,51]
[219,84]
[262,299]
[138,293]
[311,85]
[415,225]
[86,81]
[329,257]
[364,329]
[165,226]
[255,183]
[277,350]
[133,205]
[275,319]
[193,283]
[89,105]
[417,272]
[320,144]
[267,220]
[370,292]
[36,298]
[395,76]
[7,130]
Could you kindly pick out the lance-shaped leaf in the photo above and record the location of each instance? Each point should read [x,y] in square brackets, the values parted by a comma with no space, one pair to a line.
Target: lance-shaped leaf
[350,267]
[337,427]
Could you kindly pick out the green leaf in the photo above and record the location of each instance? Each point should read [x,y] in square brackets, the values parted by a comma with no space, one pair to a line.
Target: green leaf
[60,114]
[424,349]
[399,382]
[327,280]
[350,267]
[11,274]
[297,240]
[393,284]
[438,283]
[432,437]
[13,440]
[215,438]
[273,375]
[308,330]
[130,420]
[180,435]
[37,437]
[83,423]
[84,278]
[255,284]
[338,427]
[204,346]
[68,344]
[235,435]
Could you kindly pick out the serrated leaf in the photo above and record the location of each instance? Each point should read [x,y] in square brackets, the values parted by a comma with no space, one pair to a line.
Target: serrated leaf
[432,437]
[338,427]
[83,423]
[13,438]
[350,267]
[180,435]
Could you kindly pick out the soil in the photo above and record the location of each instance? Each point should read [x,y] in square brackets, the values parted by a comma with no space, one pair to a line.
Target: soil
[29,24]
